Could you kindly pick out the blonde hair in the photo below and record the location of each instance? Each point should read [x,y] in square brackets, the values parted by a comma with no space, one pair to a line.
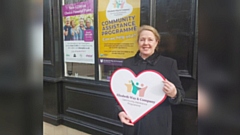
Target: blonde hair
[149,28]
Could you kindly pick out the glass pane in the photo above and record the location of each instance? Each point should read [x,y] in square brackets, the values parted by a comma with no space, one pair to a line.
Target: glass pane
[78,36]
[118,22]
[47,30]
[80,70]
[105,71]
[175,20]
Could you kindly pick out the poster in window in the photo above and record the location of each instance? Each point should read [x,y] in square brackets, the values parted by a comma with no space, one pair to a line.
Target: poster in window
[118,22]
[78,32]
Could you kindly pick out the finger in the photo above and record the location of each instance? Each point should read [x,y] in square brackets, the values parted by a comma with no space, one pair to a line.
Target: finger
[123,120]
[166,91]
[124,117]
[166,80]
[169,91]
[127,117]
[128,122]
[167,86]
[168,83]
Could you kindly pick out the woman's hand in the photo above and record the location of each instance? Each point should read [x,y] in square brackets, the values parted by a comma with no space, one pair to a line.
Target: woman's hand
[72,32]
[125,118]
[65,32]
[169,88]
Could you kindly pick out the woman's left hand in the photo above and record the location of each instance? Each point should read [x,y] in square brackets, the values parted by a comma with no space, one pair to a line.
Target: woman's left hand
[169,88]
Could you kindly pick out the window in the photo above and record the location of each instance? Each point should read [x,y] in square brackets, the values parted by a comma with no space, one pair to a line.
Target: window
[177,30]
[78,38]
[116,40]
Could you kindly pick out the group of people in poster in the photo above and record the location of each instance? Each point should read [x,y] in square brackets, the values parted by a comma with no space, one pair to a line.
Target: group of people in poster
[72,31]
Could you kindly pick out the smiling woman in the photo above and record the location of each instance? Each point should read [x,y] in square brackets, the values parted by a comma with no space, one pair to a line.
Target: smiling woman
[147,58]
[148,39]
[77,73]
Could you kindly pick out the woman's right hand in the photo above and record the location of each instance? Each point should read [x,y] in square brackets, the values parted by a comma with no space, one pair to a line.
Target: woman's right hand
[125,118]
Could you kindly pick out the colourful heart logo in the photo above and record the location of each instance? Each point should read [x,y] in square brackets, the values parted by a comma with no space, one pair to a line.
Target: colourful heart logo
[137,94]
[117,9]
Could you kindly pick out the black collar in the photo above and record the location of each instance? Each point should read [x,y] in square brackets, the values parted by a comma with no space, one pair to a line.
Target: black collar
[152,60]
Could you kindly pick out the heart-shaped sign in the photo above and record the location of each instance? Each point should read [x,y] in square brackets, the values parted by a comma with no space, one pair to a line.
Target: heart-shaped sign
[137,94]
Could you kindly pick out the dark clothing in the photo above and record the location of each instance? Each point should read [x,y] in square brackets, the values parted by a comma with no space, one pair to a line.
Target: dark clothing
[69,29]
[159,120]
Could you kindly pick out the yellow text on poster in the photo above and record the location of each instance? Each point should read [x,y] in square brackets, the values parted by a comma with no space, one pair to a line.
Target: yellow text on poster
[118,22]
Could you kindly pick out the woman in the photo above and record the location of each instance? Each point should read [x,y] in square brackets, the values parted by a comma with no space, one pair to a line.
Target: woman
[81,29]
[74,30]
[159,120]
[67,30]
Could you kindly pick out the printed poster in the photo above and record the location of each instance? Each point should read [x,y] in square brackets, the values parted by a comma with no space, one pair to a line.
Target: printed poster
[78,32]
[118,21]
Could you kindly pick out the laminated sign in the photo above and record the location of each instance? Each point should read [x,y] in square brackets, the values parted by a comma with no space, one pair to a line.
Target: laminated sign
[137,94]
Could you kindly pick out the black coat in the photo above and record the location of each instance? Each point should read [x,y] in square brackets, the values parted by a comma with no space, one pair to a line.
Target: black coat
[159,120]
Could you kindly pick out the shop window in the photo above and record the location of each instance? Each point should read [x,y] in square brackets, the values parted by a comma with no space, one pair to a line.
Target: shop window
[117,23]
[177,19]
[78,38]
[80,70]
[105,71]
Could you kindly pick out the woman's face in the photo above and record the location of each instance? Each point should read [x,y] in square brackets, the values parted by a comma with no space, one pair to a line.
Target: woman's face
[147,43]
[88,24]
[67,22]
[73,24]
[81,23]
